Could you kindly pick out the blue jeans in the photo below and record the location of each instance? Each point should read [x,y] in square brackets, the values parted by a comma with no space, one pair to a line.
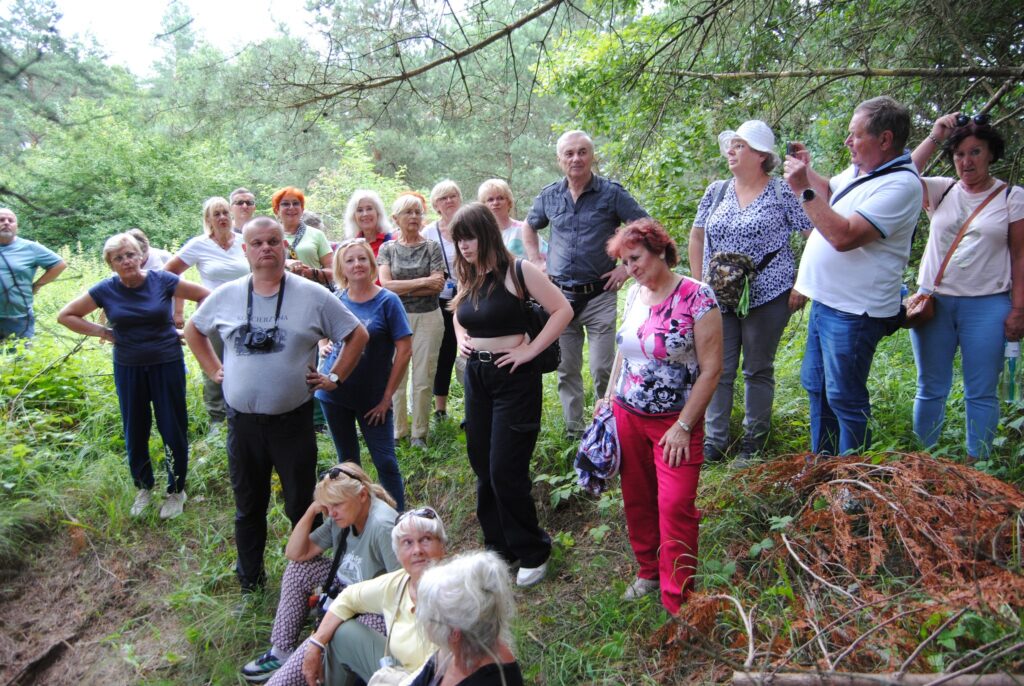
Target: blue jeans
[837,361]
[975,325]
[380,441]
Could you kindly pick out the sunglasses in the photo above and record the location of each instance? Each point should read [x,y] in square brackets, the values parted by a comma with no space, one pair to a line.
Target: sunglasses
[424,512]
[979,119]
[335,472]
[248,203]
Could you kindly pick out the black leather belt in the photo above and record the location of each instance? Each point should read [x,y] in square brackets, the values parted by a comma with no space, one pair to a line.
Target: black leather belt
[486,356]
[582,288]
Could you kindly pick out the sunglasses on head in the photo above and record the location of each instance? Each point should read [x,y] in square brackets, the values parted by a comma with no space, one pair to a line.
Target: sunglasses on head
[979,119]
[424,512]
[335,472]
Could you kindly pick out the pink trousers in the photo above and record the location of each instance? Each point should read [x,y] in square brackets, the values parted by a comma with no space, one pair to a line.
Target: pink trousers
[660,503]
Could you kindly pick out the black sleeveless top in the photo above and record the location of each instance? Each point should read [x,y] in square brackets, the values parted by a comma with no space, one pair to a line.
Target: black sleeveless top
[498,312]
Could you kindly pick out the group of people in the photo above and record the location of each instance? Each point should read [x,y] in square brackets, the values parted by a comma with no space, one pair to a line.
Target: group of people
[416,299]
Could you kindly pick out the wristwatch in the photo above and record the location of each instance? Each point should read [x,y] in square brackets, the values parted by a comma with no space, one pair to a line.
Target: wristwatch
[332,377]
[684,426]
[808,195]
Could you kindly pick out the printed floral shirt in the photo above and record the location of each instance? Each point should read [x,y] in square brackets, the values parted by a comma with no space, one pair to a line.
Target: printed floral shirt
[659,355]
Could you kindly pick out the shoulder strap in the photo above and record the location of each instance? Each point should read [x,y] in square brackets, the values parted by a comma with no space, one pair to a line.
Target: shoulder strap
[868,177]
[723,186]
[520,282]
[943,196]
[963,230]
[440,241]
[338,554]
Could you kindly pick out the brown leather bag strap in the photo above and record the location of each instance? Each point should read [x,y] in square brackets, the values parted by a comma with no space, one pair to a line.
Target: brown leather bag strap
[962,232]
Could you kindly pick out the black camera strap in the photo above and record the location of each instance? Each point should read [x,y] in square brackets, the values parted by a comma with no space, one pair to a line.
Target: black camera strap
[330,587]
[277,312]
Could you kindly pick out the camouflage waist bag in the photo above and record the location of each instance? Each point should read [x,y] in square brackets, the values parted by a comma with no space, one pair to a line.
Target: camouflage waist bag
[729,276]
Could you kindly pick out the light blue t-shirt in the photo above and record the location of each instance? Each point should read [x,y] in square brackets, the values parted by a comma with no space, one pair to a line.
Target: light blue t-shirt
[18,263]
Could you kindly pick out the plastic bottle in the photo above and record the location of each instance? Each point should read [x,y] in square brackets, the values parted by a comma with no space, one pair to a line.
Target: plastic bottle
[1009,384]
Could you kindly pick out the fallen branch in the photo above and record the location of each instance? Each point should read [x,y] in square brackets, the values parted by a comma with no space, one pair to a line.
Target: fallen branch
[858,679]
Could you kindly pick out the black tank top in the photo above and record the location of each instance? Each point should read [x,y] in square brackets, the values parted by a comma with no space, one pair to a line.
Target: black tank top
[498,312]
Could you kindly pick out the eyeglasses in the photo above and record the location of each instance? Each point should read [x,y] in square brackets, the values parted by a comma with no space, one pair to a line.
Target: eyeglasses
[290,203]
[979,119]
[124,257]
[248,203]
[424,512]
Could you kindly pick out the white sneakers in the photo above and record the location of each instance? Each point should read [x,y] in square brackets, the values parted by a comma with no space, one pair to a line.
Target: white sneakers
[640,587]
[531,576]
[173,505]
[142,500]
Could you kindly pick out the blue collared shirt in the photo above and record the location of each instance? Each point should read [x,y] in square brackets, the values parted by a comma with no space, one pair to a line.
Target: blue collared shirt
[580,230]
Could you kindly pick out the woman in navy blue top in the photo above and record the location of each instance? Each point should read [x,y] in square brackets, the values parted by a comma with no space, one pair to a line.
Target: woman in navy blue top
[364,398]
[149,364]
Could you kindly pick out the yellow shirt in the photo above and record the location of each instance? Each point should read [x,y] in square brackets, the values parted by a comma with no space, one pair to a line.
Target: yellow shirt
[389,595]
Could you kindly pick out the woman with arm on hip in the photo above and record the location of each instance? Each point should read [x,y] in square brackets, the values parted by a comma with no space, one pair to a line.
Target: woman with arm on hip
[503,386]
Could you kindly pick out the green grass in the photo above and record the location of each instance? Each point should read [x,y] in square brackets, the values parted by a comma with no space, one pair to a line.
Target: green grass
[62,465]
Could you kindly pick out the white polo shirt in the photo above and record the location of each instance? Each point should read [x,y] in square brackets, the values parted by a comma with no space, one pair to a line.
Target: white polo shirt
[866,279]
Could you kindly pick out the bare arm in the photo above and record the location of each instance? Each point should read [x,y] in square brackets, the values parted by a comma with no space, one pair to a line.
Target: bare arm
[176,265]
[202,349]
[708,343]
[312,661]
[49,275]
[425,285]
[532,244]
[187,290]
[73,317]
[842,233]
[403,353]
[695,251]
[300,547]
[1014,326]
[941,129]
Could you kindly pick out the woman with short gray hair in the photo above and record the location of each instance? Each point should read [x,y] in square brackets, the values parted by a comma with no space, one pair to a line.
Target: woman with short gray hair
[465,606]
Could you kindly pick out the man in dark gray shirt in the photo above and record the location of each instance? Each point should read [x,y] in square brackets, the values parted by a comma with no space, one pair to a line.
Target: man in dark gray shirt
[584,210]
[270,323]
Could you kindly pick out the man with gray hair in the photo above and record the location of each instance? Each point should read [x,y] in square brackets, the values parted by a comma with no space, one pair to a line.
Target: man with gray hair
[19,260]
[243,204]
[583,210]
[852,267]
[270,322]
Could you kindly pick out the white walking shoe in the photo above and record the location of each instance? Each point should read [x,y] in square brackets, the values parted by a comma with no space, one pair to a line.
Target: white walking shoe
[531,576]
[173,506]
[142,500]
[641,587]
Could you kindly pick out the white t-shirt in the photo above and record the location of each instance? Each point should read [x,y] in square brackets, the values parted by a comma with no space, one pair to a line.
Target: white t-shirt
[981,263]
[156,258]
[866,279]
[216,265]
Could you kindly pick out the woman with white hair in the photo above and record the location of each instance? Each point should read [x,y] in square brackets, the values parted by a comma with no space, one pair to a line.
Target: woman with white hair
[751,215]
[217,254]
[365,218]
[149,366]
[446,199]
[340,650]
[466,607]
[497,195]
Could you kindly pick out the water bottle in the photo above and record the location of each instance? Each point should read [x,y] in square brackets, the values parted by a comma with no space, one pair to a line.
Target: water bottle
[1009,384]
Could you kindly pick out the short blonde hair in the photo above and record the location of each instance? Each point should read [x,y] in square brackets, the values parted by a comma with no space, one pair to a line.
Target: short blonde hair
[443,188]
[209,206]
[339,257]
[118,241]
[496,186]
[404,202]
[345,482]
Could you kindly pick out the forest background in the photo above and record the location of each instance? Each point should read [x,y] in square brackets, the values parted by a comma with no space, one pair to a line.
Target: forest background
[397,94]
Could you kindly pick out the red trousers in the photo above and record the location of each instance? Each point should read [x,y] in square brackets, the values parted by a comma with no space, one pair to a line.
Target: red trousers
[660,503]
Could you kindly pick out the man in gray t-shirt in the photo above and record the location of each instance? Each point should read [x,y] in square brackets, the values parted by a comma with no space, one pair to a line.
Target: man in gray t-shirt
[270,323]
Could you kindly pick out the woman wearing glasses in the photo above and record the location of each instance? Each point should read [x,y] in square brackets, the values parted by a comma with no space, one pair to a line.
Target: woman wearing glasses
[218,256]
[364,398]
[365,218]
[503,387]
[412,267]
[359,517]
[309,253]
[340,650]
[979,295]
[149,369]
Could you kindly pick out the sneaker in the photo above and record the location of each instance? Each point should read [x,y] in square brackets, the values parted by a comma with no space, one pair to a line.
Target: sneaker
[142,500]
[418,443]
[173,506]
[641,587]
[531,576]
[262,668]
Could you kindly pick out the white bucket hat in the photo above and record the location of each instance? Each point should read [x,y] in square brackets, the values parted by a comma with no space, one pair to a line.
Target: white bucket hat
[756,133]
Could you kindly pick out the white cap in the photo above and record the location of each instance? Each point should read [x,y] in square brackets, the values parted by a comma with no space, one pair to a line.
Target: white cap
[755,132]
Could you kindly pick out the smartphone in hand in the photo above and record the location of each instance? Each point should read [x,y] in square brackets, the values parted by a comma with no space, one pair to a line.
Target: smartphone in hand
[790,148]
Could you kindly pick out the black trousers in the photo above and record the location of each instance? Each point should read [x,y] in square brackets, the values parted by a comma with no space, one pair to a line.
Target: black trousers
[257,445]
[447,353]
[503,413]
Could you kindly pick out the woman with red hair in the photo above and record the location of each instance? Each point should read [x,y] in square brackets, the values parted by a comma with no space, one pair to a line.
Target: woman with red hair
[309,253]
[670,344]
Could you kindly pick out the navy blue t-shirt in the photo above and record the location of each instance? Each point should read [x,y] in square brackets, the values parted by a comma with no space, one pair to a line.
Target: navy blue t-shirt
[386,322]
[142,318]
